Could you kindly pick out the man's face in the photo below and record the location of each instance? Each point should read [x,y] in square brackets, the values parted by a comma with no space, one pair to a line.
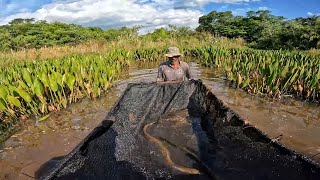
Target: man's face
[174,58]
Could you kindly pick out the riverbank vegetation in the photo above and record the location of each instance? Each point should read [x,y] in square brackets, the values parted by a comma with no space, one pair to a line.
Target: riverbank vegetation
[36,86]
[44,67]
[262,30]
[271,72]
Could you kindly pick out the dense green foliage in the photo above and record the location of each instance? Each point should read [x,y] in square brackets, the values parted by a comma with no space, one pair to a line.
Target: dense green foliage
[264,30]
[27,33]
[39,87]
[260,28]
[272,72]
[36,88]
[172,32]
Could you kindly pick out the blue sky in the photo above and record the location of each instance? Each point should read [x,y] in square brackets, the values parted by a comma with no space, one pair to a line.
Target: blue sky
[9,7]
[288,8]
[150,14]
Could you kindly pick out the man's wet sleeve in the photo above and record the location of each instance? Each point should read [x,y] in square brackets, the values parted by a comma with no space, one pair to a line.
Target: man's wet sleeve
[160,76]
[188,72]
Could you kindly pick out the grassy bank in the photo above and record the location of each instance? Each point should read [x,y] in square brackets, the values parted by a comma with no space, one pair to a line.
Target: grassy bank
[9,58]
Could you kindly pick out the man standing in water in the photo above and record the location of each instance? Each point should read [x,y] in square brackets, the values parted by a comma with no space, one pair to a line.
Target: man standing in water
[174,69]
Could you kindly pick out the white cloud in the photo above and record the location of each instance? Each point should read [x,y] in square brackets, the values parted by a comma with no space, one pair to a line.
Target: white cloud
[202,2]
[117,13]
[8,7]
[193,3]
[264,8]
[313,14]
[241,11]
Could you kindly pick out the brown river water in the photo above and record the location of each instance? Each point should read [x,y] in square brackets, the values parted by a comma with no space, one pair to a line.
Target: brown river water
[25,152]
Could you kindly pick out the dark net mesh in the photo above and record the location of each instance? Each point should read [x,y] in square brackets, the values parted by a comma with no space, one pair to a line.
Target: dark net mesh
[197,130]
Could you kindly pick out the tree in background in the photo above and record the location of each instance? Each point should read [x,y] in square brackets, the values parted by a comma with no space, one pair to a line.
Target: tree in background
[222,24]
[171,32]
[264,30]
[260,29]
[28,33]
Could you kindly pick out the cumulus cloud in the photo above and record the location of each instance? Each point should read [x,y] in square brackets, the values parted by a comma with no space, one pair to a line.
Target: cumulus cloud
[241,11]
[190,3]
[150,14]
[263,8]
[8,7]
[313,14]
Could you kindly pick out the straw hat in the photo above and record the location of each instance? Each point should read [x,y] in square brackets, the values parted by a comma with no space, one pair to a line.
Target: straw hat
[173,51]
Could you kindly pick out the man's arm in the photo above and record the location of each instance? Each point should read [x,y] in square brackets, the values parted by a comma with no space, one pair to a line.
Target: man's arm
[188,72]
[160,76]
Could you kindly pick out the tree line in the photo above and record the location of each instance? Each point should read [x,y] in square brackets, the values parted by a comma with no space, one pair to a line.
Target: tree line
[260,29]
[28,33]
[263,30]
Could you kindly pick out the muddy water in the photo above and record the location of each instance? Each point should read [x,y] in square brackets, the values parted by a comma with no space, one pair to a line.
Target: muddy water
[298,122]
[24,153]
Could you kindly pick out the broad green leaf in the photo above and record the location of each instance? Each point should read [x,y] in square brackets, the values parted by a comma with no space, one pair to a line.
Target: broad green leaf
[2,105]
[44,117]
[63,80]
[3,92]
[245,83]
[44,79]
[26,96]
[53,83]
[71,81]
[313,82]
[293,78]
[285,70]
[274,89]
[14,101]
[58,78]
[271,78]
[38,87]
[23,85]
[27,77]
[12,89]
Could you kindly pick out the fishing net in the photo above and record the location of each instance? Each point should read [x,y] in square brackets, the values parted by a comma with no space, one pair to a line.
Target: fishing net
[197,130]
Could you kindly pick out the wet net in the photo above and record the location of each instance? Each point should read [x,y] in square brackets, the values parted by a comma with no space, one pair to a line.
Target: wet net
[179,131]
